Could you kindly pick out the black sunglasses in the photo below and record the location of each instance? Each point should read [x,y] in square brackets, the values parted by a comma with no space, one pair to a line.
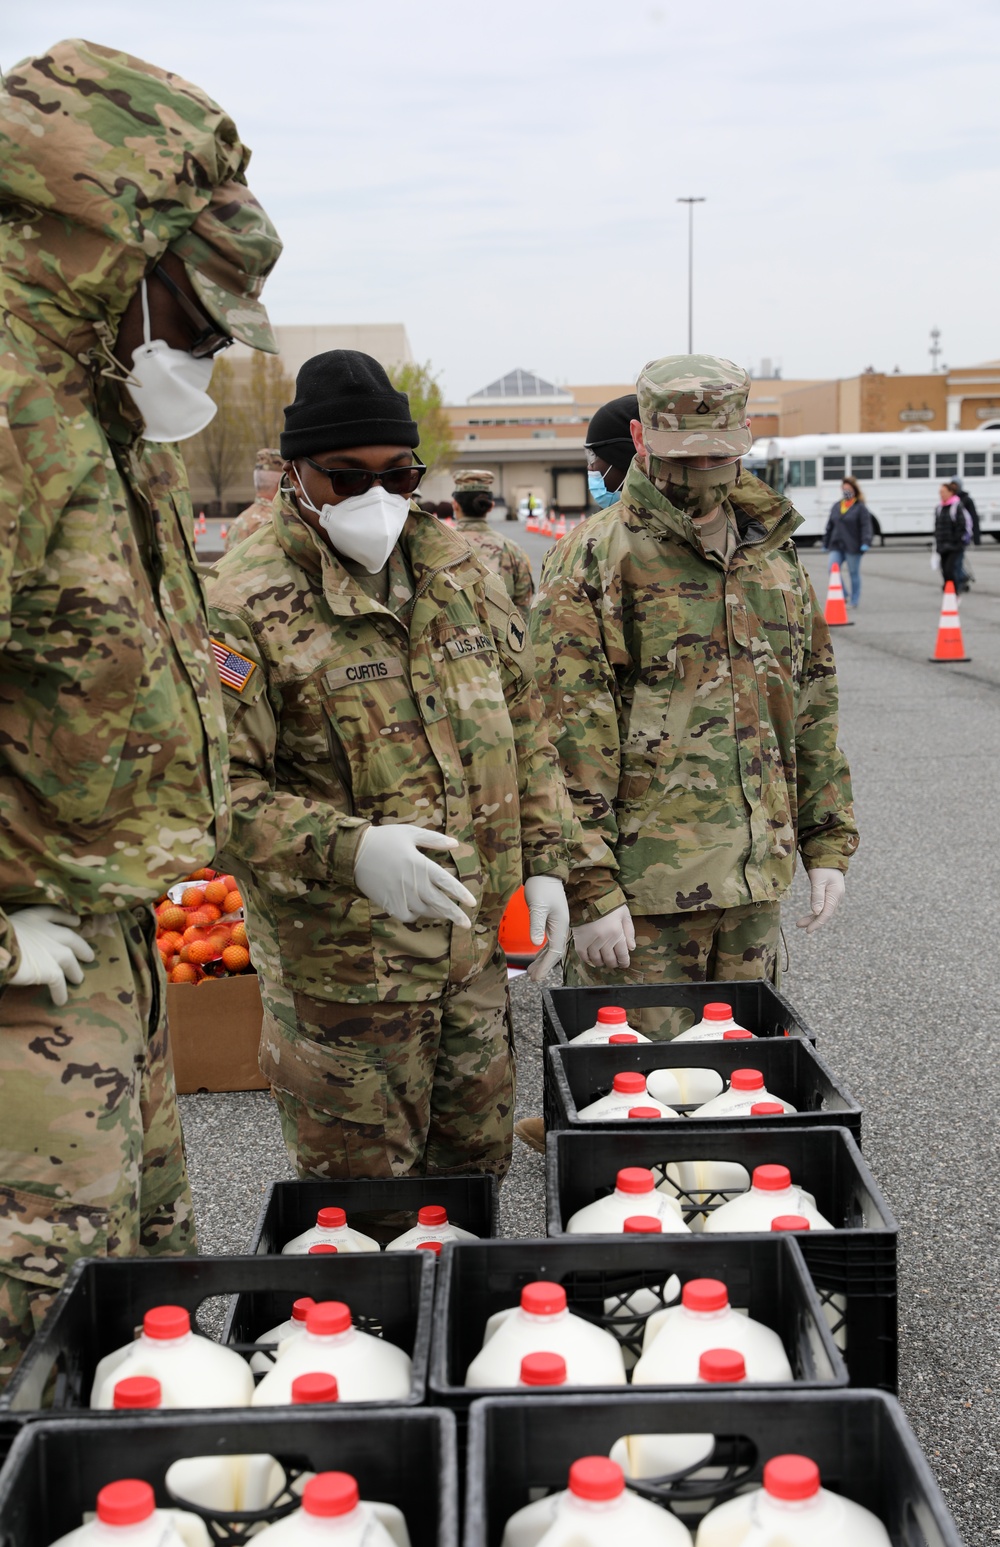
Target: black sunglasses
[209,337]
[345,481]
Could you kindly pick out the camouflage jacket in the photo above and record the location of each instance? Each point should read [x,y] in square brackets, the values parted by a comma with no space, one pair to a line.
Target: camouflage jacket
[343,712]
[694,708]
[256,515]
[503,556]
[112,756]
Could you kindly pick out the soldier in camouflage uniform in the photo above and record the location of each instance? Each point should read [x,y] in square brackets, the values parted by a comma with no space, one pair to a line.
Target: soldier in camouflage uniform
[112,777]
[472,501]
[381,700]
[266,479]
[689,680]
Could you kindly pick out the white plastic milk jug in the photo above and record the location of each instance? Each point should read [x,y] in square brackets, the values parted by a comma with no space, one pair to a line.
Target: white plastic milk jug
[127,1516]
[628,1089]
[193,1371]
[664,1455]
[746,1089]
[368,1369]
[771,1193]
[632,1308]
[612,1021]
[542,1369]
[432,1225]
[296,1323]
[635,1193]
[834,1305]
[716,1020]
[675,1338]
[791,1510]
[543,1323]
[331,1229]
[596,1510]
[690,1086]
[334,1513]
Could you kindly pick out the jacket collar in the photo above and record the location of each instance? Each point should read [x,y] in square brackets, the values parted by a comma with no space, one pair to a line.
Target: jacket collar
[763,519]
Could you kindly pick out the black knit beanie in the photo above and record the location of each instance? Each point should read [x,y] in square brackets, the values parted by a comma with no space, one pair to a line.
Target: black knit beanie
[344,398]
[609,435]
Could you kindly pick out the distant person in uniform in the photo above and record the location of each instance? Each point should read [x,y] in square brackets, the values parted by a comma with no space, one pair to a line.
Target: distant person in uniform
[849,535]
[610,449]
[472,501]
[266,478]
[952,530]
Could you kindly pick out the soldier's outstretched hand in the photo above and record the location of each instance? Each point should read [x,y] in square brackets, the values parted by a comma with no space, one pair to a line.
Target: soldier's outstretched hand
[827,888]
[607,942]
[391,870]
[51,950]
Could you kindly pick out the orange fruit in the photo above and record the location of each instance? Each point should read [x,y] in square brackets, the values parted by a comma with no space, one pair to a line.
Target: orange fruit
[170,940]
[184,973]
[229,882]
[200,917]
[193,932]
[171,916]
[233,902]
[205,874]
[236,958]
[200,951]
[215,892]
[219,939]
[193,896]
[238,934]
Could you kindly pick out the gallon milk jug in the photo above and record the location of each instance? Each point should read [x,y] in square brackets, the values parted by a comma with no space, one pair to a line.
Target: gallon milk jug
[628,1090]
[368,1369]
[595,1511]
[542,1370]
[192,1370]
[333,1512]
[664,1455]
[611,1019]
[675,1338]
[632,1308]
[331,1229]
[771,1193]
[635,1193]
[834,1305]
[127,1516]
[693,1086]
[791,1510]
[716,1020]
[542,1323]
[746,1089]
[432,1225]
[296,1323]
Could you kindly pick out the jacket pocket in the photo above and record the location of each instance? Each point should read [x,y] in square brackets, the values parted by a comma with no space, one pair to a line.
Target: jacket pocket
[645,744]
[42,1237]
[347,1083]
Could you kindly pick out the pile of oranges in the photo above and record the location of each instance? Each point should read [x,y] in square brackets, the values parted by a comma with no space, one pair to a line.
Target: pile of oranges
[203,936]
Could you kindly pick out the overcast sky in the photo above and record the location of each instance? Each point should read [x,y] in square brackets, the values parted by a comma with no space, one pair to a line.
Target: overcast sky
[502,178]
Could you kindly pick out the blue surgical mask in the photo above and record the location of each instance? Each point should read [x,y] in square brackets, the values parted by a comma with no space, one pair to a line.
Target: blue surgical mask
[599,492]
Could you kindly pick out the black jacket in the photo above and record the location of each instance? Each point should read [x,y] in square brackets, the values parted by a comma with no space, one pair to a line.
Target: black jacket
[851,531]
[969,504]
[950,528]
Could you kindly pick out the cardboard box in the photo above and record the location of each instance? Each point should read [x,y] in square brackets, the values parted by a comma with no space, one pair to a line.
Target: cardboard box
[215,1034]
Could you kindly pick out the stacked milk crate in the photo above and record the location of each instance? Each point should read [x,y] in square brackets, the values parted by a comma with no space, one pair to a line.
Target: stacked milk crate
[635,1377]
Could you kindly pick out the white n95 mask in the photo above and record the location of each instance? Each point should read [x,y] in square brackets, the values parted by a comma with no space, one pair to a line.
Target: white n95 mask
[169,387]
[365,527]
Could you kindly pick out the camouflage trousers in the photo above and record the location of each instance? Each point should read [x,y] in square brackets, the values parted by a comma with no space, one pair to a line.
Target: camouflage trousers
[394,1088]
[91,1154]
[728,944]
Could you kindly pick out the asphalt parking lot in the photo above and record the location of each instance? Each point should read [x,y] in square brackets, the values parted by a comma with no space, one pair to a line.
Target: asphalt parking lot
[901,989]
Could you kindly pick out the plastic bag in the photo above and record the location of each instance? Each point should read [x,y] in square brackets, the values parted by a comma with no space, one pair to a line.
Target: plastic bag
[935,561]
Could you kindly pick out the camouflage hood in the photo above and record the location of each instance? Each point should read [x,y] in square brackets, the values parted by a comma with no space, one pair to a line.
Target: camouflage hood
[765,518]
[105,162]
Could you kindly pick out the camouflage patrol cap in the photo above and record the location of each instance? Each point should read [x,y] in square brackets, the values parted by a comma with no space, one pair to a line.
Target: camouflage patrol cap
[474,480]
[228,252]
[269,460]
[694,406]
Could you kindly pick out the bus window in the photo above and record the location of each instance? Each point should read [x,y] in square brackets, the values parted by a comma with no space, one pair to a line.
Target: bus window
[996,464]
[773,476]
[834,469]
[946,464]
[974,464]
[863,467]
[794,479]
[918,466]
[890,467]
[809,473]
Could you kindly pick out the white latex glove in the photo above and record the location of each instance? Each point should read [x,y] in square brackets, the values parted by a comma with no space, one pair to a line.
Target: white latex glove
[828,888]
[606,942]
[51,952]
[399,879]
[548,914]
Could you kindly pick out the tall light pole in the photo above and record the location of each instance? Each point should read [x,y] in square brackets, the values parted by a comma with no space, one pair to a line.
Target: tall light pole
[691,204]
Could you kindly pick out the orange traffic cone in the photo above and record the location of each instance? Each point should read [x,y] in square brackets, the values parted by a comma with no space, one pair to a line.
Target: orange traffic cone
[561,528]
[836,609]
[223,531]
[949,645]
[515,932]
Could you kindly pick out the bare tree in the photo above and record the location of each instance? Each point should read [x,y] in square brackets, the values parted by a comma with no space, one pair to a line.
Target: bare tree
[268,390]
[223,449]
[437,445]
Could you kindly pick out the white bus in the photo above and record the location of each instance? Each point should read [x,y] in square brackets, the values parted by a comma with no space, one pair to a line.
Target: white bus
[899,474]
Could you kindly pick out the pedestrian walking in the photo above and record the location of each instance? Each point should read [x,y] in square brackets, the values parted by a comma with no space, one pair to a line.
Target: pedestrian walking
[849,535]
[472,501]
[952,532]
[973,534]
[137,252]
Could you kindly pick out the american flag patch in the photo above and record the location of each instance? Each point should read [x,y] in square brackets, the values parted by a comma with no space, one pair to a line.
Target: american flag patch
[235,670]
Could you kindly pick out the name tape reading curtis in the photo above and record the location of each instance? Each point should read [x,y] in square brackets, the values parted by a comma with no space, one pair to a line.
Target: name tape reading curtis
[362,671]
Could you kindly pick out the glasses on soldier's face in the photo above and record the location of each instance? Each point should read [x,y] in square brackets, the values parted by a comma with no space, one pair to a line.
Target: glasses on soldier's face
[347,481]
[209,338]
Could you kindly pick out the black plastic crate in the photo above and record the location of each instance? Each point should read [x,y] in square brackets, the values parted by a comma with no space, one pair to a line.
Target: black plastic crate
[102,1306]
[519,1450]
[792,1069]
[765,1277]
[404,1457]
[382,1207]
[856,1260]
[757,1005]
